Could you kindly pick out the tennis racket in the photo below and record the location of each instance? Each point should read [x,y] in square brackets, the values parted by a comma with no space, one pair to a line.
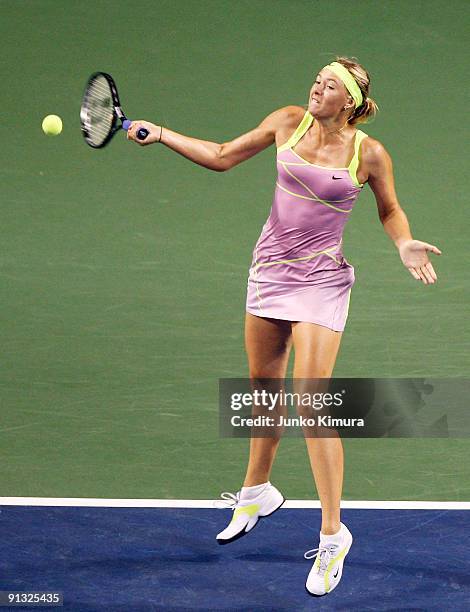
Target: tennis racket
[101,114]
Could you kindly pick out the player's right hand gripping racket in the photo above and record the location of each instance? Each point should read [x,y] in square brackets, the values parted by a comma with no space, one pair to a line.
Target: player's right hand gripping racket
[101,110]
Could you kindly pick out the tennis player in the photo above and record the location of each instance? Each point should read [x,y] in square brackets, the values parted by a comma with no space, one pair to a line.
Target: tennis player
[299,282]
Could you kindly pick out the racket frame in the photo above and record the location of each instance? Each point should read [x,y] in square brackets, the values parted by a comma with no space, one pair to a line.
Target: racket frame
[117,110]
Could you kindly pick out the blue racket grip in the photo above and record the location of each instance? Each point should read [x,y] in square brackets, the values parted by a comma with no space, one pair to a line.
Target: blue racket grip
[141,134]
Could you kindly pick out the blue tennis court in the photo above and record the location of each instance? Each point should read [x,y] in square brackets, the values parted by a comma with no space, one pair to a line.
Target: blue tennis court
[167,559]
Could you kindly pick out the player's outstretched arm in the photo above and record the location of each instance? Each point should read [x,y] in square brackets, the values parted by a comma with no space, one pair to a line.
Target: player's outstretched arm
[212,155]
[413,253]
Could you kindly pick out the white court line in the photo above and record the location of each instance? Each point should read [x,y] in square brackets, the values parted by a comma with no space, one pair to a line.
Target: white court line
[209,503]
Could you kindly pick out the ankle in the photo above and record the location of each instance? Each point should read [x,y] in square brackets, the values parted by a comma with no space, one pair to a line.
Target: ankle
[329,529]
[253,481]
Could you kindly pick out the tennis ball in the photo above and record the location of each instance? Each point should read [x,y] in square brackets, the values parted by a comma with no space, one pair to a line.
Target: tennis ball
[52,125]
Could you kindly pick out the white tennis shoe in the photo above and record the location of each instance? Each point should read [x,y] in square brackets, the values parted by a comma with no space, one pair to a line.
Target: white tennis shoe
[247,512]
[328,567]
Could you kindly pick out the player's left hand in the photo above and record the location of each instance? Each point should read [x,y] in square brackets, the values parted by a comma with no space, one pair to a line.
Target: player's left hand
[414,255]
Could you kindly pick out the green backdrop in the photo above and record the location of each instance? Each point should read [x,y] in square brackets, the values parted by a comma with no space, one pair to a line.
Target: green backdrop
[123,271]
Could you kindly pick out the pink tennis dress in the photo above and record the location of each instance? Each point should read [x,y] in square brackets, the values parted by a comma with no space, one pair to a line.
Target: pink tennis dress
[298,272]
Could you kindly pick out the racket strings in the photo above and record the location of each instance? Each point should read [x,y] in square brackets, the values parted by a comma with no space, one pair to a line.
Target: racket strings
[98,111]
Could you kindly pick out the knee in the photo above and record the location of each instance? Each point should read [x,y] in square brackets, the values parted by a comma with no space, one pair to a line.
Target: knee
[309,369]
[258,374]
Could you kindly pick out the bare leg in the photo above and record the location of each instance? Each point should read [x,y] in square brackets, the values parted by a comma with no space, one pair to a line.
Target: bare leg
[316,348]
[268,343]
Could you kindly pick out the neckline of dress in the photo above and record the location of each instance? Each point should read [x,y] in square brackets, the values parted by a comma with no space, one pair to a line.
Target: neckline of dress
[317,165]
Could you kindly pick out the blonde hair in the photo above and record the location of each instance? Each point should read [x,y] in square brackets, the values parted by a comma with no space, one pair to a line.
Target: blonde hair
[369,107]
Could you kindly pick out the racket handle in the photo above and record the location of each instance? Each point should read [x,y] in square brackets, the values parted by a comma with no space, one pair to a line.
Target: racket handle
[142,133]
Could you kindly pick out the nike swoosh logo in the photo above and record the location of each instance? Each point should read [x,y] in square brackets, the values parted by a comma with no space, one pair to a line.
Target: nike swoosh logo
[335,178]
[337,571]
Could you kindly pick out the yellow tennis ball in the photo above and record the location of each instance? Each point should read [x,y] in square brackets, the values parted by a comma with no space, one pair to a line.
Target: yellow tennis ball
[52,125]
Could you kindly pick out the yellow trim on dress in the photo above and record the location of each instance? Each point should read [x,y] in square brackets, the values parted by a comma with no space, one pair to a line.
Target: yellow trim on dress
[349,301]
[312,256]
[315,199]
[303,126]
[354,164]
[299,132]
